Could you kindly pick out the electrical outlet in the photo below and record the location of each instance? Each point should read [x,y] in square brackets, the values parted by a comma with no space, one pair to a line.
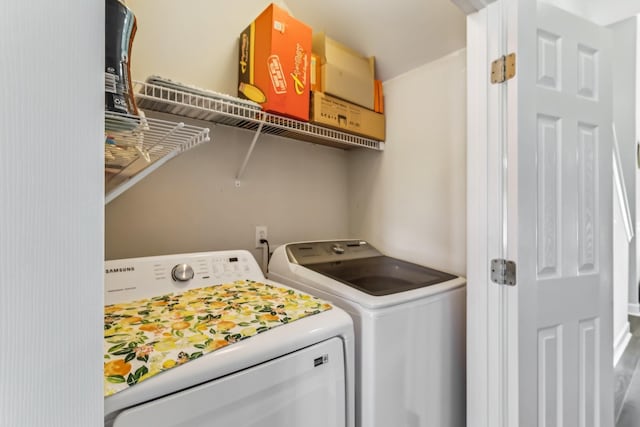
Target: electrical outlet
[261,233]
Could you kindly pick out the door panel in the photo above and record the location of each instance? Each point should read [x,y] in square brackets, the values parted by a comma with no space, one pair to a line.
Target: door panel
[550,376]
[589,375]
[562,224]
[549,192]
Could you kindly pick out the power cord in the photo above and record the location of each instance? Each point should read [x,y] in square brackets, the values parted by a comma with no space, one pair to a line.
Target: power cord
[265,241]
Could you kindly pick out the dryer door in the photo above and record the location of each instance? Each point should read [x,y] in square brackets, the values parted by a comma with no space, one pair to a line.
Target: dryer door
[304,388]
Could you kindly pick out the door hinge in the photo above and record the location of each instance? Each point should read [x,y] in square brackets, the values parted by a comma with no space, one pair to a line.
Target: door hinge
[503,68]
[503,272]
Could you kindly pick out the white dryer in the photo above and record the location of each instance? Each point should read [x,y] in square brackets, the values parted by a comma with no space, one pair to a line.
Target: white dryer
[298,374]
[410,324]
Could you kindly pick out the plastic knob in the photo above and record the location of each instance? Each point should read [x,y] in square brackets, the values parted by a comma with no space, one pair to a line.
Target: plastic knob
[337,249]
[182,273]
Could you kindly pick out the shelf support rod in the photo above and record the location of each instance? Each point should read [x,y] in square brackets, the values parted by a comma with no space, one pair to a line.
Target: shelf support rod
[138,177]
[248,155]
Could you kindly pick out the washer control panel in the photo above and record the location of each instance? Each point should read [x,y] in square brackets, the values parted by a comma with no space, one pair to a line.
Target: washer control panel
[331,251]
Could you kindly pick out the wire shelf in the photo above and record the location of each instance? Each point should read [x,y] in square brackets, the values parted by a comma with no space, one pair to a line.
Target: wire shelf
[222,111]
[136,145]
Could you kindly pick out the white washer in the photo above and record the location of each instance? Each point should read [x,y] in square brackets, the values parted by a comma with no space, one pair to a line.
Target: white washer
[300,373]
[410,324]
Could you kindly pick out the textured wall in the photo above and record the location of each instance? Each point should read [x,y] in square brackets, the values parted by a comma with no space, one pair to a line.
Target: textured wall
[51,213]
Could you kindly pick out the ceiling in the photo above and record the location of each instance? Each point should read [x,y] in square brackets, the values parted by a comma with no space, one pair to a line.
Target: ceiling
[402,35]
[602,12]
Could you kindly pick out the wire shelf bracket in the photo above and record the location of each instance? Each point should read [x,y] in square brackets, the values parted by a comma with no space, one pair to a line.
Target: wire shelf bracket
[243,167]
[135,146]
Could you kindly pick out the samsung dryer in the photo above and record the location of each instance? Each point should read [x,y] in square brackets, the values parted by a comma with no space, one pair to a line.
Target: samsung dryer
[410,324]
[205,340]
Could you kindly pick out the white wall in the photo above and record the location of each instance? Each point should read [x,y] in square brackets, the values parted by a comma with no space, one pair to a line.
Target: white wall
[298,190]
[624,84]
[402,36]
[191,41]
[621,333]
[51,213]
[411,201]
[605,12]
[634,289]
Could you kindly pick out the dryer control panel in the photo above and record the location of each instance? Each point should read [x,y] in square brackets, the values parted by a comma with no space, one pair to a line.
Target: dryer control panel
[138,278]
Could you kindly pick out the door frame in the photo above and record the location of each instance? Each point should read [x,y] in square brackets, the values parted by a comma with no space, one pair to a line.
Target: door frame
[488,309]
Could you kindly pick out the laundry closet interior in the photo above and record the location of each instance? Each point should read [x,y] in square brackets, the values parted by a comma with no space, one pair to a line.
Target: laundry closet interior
[406,195]
[408,199]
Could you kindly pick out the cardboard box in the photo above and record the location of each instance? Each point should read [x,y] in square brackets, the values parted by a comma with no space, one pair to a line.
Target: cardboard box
[336,113]
[379,97]
[344,72]
[274,63]
[315,76]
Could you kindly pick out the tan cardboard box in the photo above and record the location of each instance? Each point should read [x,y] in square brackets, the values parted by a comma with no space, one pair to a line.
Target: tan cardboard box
[344,72]
[336,113]
[314,75]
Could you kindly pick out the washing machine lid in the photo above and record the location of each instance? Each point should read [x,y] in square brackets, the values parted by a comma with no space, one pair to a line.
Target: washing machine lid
[381,275]
[359,265]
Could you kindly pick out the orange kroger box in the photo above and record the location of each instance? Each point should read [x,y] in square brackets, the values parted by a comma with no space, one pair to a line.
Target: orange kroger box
[274,65]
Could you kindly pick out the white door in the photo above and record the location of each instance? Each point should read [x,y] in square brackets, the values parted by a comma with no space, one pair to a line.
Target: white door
[540,352]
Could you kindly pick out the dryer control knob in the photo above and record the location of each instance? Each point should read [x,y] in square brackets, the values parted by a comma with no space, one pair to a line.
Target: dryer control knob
[182,273]
[337,249]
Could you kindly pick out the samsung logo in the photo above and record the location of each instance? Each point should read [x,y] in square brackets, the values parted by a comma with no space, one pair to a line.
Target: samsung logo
[119,270]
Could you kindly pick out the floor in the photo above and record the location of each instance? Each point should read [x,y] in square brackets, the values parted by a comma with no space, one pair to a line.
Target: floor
[627,381]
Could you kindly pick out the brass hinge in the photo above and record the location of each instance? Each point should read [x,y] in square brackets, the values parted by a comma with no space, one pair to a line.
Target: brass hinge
[503,68]
[503,272]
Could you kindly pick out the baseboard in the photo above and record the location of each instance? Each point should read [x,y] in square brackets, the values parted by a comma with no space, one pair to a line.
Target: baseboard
[634,309]
[622,340]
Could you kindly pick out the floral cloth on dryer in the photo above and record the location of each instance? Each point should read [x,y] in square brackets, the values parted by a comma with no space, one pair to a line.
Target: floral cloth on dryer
[143,338]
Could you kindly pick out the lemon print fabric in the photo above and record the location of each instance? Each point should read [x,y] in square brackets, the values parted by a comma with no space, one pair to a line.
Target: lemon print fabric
[144,338]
